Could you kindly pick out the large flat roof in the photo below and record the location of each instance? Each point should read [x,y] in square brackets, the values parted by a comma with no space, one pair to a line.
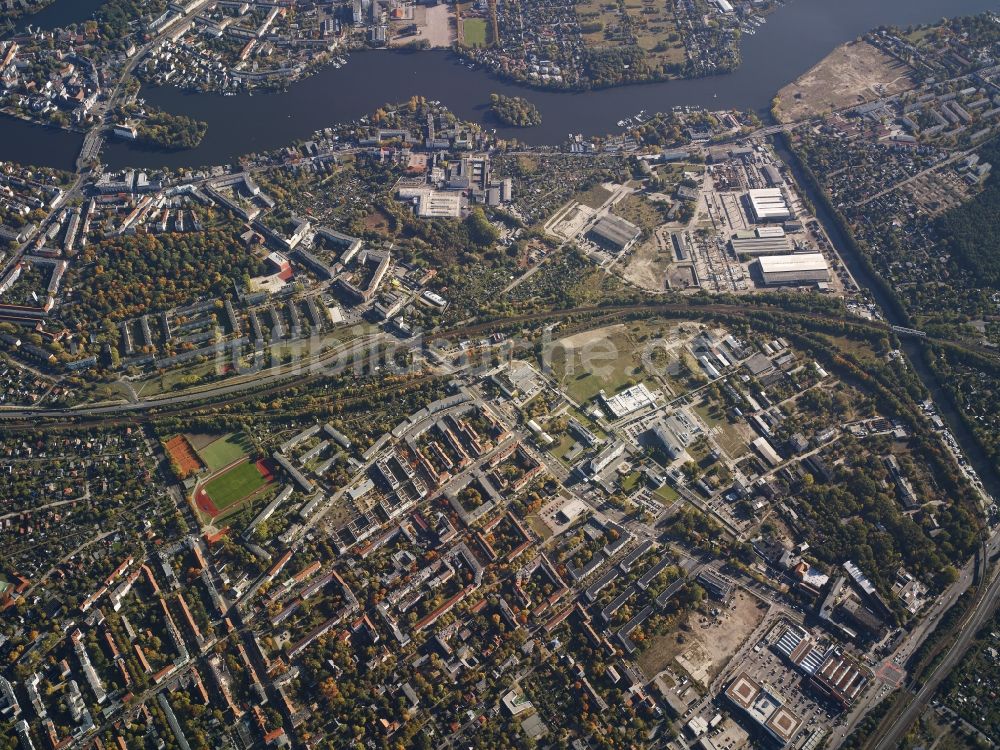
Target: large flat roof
[764,706]
[760,245]
[743,690]
[616,229]
[768,203]
[784,723]
[793,262]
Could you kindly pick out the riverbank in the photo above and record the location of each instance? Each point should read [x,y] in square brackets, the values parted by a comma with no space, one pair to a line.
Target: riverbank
[7,112]
[794,40]
[854,73]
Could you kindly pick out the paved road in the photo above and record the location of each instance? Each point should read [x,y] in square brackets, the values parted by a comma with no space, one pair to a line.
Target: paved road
[892,736]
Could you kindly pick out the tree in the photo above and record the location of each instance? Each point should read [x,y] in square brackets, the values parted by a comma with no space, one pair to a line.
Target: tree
[481,231]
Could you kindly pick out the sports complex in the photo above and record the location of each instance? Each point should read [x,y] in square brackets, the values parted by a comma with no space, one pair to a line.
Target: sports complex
[228,475]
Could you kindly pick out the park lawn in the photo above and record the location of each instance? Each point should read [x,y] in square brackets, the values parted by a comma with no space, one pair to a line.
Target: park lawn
[475,30]
[630,482]
[667,494]
[234,485]
[224,451]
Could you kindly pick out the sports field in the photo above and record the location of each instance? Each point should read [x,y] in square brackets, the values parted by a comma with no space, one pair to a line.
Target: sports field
[224,451]
[183,455]
[234,485]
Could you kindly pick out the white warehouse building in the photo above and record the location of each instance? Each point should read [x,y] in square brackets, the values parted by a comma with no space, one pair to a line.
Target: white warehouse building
[800,268]
[768,204]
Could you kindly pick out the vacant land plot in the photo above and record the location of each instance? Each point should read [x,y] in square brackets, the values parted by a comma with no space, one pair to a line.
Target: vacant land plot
[708,644]
[436,25]
[225,450]
[379,221]
[475,32]
[711,413]
[732,440]
[235,485]
[852,74]
[651,261]
[594,197]
[640,212]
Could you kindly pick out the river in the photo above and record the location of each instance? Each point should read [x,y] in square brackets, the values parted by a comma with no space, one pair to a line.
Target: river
[59,14]
[794,39]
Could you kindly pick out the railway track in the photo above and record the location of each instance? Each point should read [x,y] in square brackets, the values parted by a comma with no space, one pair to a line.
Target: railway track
[229,393]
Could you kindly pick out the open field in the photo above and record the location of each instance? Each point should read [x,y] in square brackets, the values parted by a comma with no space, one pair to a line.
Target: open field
[598,360]
[656,32]
[654,28]
[183,454]
[852,74]
[224,451]
[704,645]
[475,32]
[232,486]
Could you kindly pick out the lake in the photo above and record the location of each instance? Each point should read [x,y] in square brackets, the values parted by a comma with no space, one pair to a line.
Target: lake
[59,14]
[794,39]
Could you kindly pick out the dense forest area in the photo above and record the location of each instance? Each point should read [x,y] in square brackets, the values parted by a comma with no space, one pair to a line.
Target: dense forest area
[129,275]
[515,111]
[971,231]
[614,66]
[174,132]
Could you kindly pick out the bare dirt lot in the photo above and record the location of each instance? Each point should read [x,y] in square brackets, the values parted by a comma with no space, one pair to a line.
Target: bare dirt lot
[705,647]
[652,266]
[648,266]
[435,24]
[852,74]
